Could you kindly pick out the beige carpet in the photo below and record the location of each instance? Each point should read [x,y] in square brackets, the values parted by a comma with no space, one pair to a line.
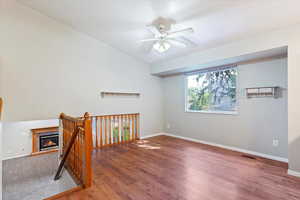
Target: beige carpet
[31,178]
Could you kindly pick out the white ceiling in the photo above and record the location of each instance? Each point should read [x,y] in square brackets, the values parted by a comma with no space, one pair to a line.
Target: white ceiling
[121,23]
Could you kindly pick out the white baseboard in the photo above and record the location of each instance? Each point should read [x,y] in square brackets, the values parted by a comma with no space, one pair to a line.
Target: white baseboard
[230,148]
[293,173]
[16,156]
[153,135]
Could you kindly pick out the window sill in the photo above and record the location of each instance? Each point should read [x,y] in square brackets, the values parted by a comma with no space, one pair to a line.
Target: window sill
[213,112]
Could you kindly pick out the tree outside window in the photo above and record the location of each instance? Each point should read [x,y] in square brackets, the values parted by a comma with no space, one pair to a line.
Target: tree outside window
[212,91]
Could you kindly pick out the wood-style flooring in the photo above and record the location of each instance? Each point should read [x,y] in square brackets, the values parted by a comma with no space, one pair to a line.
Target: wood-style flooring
[166,168]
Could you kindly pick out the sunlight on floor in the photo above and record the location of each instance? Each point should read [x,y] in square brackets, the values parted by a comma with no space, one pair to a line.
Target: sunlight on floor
[144,144]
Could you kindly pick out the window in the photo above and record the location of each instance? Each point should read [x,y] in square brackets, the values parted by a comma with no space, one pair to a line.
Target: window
[212,91]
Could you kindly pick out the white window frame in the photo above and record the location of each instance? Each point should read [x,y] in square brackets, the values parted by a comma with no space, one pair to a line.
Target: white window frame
[209,111]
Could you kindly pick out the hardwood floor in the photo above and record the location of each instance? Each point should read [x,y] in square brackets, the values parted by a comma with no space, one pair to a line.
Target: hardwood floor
[167,168]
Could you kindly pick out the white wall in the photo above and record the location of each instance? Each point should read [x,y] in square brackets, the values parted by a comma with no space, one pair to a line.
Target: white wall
[279,38]
[48,68]
[257,123]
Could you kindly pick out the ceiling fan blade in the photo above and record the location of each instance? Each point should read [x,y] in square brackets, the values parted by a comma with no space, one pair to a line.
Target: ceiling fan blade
[149,40]
[176,42]
[181,32]
[187,41]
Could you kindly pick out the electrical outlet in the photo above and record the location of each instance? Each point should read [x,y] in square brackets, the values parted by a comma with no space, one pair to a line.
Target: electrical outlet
[275,142]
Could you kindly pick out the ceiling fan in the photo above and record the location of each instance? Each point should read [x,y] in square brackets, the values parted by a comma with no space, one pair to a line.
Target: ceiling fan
[164,37]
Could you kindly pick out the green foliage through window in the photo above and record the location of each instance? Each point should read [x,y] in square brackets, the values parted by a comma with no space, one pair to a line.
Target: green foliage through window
[212,91]
[124,133]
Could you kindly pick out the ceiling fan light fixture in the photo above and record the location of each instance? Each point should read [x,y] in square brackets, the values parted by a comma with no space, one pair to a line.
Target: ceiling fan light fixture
[161,46]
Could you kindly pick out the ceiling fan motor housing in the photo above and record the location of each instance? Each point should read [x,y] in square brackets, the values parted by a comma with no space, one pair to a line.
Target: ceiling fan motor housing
[162,24]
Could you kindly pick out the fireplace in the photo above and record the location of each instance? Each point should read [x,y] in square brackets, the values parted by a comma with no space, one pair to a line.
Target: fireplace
[48,141]
[45,140]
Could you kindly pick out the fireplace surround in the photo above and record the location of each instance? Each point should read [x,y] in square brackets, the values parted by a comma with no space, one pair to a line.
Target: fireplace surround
[45,140]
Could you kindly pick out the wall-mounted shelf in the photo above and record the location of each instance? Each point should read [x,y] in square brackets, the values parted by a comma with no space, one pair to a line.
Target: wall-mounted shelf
[128,94]
[257,92]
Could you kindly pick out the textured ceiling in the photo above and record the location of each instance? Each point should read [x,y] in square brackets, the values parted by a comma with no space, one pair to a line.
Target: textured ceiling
[121,23]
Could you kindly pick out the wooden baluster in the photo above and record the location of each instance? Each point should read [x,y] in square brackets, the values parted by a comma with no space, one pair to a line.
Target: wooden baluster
[138,126]
[130,128]
[113,129]
[122,126]
[119,131]
[74,155]
[79,156]
[71,161]
[122,129]
[67,139]
[135,125]
[109,123]
[105,125]
[116,130]
[82,155]
[101,127]
[136,133]
[132,122]
[73,151]
[97,131]
[125,129]
[88,150]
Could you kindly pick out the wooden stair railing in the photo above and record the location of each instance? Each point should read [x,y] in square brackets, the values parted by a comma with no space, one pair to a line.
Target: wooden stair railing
[62,162]
[76,135]
[110,130]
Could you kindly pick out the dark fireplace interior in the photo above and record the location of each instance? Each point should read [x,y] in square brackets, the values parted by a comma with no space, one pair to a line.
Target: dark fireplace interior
[49,141]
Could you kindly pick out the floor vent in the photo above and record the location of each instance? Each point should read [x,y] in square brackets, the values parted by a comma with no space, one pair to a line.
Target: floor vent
[249,157]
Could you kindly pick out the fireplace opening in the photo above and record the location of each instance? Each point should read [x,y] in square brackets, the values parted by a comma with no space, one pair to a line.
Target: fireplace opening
[49,141]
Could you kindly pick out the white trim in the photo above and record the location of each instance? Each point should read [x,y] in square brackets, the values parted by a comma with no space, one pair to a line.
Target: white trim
[281,159]
[213,112]
[293,173]
[16,156]
[211,69]
[153,135]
